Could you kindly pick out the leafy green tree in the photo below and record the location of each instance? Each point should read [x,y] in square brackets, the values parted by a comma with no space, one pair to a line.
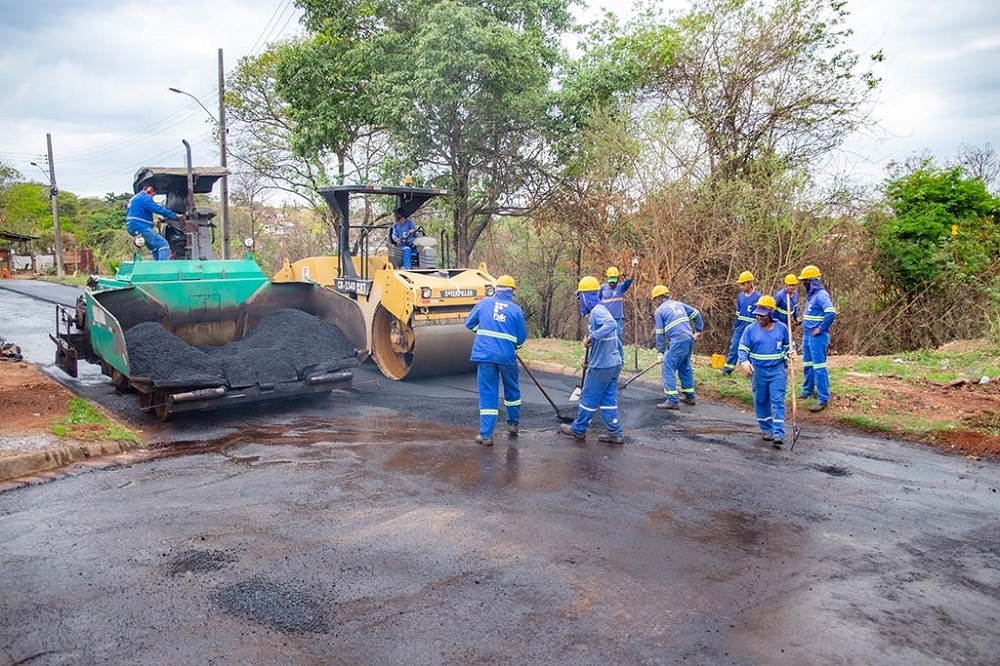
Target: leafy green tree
[942,231]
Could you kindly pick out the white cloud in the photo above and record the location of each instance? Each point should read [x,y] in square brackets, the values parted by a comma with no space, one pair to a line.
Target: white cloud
[95,73]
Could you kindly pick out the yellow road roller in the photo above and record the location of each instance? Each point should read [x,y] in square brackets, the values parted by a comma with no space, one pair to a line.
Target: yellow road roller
[414,318]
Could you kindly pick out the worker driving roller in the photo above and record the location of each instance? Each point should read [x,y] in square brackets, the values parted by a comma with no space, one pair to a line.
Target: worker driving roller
[403,233]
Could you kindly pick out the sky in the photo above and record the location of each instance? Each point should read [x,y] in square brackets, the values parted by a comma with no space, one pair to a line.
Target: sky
[95,74]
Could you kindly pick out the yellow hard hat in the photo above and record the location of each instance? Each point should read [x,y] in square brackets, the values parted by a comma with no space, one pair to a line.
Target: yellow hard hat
[745,276]
[791,279]
[809,272]
[612,272]
[506,281]
[766,301]
[588,283]
[660,290]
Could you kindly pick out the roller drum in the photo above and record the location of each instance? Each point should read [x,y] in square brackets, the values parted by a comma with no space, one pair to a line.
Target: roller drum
[426,349]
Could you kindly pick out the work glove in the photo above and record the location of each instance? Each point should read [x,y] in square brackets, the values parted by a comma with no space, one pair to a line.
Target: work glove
[635,261]
[697,337]
[746,368]
[659,357]
[588,342]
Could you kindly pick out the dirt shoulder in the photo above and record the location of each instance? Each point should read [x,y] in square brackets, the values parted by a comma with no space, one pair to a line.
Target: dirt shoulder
[33,407]
[948,398]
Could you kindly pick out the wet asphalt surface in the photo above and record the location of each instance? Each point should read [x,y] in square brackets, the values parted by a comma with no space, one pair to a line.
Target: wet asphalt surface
[368,528]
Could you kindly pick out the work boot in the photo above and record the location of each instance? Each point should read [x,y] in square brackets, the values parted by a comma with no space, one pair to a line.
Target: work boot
[668,405]
[512,429]
[484,441]
[689,401]
[766,437]
[818,407]
[611,438]
[778,443]
[566,429]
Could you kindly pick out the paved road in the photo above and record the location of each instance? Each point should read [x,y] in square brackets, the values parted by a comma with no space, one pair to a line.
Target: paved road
[367,528]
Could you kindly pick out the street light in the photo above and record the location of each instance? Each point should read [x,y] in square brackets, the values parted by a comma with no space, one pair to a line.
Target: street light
[221,124]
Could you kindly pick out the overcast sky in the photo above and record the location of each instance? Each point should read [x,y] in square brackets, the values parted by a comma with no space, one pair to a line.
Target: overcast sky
[95,74]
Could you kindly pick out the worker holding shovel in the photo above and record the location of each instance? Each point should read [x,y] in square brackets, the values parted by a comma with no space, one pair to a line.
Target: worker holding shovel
[678,325]
[763,352]
[600,385]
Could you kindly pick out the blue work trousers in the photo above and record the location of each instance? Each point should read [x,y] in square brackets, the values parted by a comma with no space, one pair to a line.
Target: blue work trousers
[600,392]
[490,376]
[156,243]
[677,363]
[769,385]
[734,347]
[817,379]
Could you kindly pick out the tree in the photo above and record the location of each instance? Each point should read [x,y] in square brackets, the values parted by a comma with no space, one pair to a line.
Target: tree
[757,82]
[935,250]
[263,131]
[942,231]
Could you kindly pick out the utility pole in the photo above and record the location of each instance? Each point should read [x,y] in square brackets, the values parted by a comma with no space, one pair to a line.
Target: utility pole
[54,193]
[223,158]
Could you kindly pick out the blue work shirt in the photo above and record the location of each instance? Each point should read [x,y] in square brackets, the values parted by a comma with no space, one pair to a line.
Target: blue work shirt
[764,348]
[403,230]
[498,323]
[675,321]
[613,298]
[745,305]
[602,329]
[782,309]
[819,311]
[139,214]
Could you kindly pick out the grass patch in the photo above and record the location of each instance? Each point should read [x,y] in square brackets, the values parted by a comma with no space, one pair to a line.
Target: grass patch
[72,280]
[86,423]
[865,422]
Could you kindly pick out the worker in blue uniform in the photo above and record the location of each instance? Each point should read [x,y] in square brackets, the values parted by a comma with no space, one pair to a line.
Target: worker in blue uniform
[139,221]
[817,318]
[786,302]
[678,326]
[498,323]
[404,234]
[763,354]
[604,365]
[612,295]
[745,304]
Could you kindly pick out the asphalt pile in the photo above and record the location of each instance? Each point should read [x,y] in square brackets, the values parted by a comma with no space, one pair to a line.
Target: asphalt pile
[285,345]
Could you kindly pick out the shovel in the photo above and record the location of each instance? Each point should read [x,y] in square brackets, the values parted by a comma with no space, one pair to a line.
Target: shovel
[635,376]
[564,419]
[791,382]
[575,395]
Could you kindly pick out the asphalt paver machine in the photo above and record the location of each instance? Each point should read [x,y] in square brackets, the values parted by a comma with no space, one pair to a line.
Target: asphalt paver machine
[199,333]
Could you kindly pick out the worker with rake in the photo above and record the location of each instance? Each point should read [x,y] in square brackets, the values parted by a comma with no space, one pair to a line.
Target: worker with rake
[763,353]
[600,383]
[678,325]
